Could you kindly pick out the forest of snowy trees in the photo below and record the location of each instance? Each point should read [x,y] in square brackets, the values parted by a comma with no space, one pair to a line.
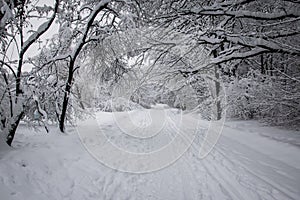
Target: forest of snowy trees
[238,58]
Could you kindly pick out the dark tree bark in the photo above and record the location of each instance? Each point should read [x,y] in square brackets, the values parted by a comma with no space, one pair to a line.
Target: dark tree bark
[13,128]
[262,66]
[217,87]
[71,69]
[66,96]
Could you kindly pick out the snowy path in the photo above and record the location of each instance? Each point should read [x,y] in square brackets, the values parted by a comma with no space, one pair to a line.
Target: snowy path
[241,166]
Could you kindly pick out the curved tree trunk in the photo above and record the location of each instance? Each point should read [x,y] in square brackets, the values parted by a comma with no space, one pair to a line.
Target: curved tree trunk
[13,128]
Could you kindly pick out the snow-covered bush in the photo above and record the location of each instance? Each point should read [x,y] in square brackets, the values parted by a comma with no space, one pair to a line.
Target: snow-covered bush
[118,105]
[268,98]
[239,100]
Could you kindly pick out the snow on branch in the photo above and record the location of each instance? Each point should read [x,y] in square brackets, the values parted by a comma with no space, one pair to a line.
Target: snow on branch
[237,55]
[226,58]
[40,31]
[225,9]
[249,14]
[263,43]
[101,5]
[6,13]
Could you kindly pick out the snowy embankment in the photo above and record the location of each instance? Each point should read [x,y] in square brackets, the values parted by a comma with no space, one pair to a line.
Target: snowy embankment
[249,162]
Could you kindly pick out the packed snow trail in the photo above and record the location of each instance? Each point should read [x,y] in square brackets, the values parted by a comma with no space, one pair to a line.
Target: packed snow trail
[242,165]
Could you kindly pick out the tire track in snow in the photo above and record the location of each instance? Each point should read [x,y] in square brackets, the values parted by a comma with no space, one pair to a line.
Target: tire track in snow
[228,190]
[219,150]
[221,169]
[237,165]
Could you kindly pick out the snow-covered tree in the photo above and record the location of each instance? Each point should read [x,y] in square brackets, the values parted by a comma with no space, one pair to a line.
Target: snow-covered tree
[20,35]
[232,33]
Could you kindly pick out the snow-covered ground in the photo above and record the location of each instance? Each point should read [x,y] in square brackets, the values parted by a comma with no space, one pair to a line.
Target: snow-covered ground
[250,161]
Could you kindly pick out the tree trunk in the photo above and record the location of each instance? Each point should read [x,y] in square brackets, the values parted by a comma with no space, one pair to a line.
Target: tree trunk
[218,107]
[76,52]
[66,96]
[13,129]
[271,65]
[217,88]
[262,67]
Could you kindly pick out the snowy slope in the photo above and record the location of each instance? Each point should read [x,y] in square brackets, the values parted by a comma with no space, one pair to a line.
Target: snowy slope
[245,164]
